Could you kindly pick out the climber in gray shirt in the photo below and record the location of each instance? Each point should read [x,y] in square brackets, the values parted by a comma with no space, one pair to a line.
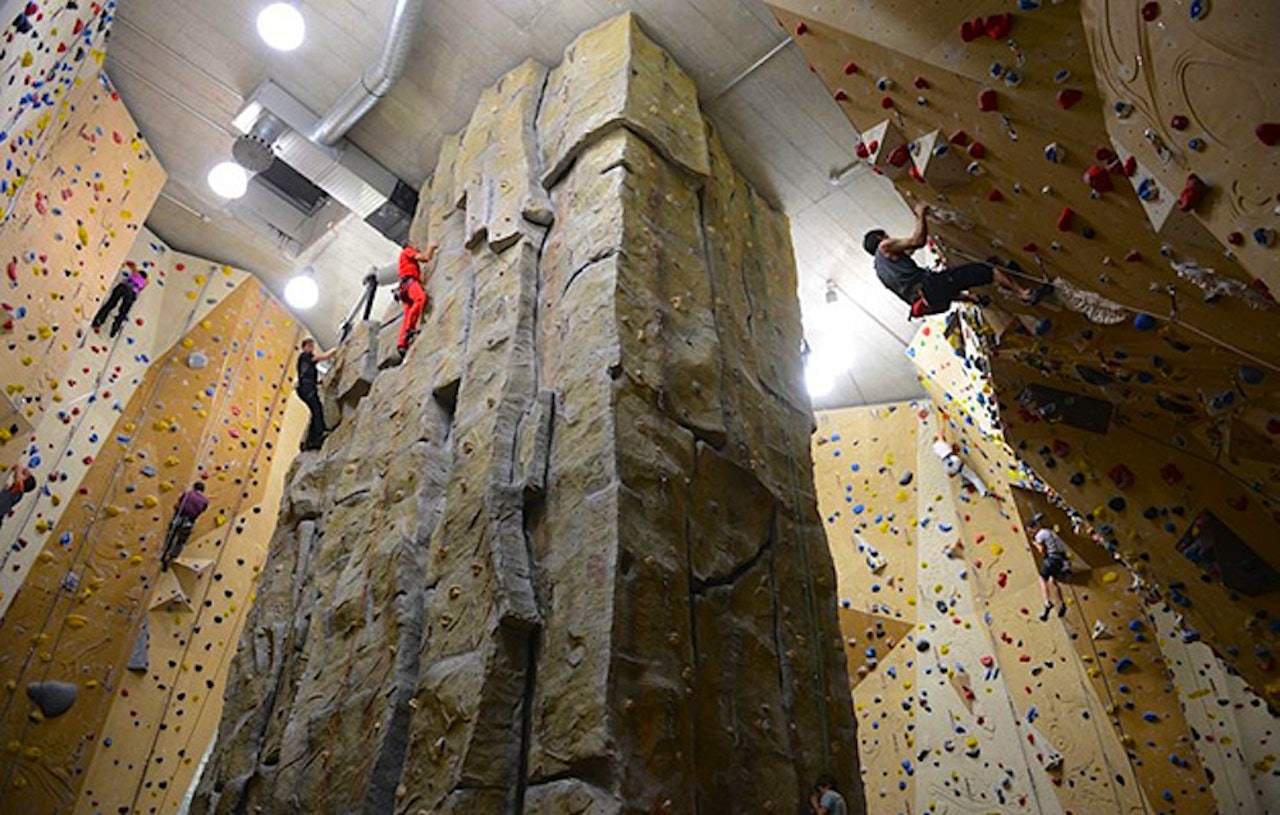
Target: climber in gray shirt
[932,293]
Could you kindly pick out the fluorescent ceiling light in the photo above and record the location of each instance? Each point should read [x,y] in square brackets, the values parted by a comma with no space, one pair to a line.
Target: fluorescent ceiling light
[281,26]
[228,180]
[301,292]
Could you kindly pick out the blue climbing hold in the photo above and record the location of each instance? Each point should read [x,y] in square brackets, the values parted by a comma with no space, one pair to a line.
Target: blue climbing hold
[1144,322]
[1250,375]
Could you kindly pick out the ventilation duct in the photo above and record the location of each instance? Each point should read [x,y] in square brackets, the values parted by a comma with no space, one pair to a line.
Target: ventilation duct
[273,123]
[375,83]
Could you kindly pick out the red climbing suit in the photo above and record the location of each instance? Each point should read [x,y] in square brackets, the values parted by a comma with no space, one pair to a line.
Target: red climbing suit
[412,295]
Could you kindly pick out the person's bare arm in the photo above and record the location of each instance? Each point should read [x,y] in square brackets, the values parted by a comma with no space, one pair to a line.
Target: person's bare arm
[429,255]
[917,239]
[321,356]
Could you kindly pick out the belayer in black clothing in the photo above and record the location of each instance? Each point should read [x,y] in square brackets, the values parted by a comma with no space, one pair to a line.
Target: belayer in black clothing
[933,292]
[309,391]
[190,504]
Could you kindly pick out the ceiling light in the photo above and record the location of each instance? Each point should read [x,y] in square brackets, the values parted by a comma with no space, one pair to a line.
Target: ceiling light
[281,26]
[819,377]
[228,180]
[301,292]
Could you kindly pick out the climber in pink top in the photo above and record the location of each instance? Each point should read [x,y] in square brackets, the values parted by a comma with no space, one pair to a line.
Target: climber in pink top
[190,504]
[132,281]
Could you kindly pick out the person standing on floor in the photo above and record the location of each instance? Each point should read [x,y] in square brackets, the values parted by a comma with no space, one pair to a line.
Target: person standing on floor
[932,292]
[411,292]
[1053,565]
[132,281]
[309,391]
[17,483]
[825,800]
[190,504]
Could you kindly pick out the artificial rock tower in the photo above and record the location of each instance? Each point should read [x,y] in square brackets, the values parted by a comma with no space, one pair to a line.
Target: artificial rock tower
[566,557]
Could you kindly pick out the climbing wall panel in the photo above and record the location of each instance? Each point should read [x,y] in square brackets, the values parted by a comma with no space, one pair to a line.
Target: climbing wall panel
[100,377]
[981,705]
[47,50]
[66,237]
[1125,152]
[97,587]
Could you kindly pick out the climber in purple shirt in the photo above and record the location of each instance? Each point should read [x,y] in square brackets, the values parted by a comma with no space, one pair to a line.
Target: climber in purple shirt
[190,504]
[132,281]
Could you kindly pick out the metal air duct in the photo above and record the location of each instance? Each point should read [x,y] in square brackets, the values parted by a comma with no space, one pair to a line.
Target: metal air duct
[376,82]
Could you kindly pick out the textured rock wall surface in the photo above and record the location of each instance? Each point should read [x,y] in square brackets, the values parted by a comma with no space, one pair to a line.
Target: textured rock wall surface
[1061,136]
[566,557]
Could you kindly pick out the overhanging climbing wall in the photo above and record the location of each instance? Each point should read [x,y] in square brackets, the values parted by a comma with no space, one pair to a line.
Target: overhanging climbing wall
[1127,153]
[565,557]
[965,700]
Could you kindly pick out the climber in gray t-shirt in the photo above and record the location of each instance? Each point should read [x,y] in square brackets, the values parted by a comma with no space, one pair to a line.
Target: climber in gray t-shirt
[825,800]
[926,292]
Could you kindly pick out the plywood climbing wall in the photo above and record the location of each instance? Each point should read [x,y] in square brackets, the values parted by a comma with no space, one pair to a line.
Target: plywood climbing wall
[966,701]
[48,50]
[100,376]
[1127,153]
[211,406]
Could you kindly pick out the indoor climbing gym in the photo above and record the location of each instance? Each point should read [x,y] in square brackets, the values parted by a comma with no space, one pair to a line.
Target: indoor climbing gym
[640,407]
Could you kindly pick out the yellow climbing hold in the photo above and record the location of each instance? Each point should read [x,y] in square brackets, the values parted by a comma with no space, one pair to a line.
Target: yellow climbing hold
[219,520]
[150,502]
[996,550]
[45,332]
[77,620]
[112,511]
[1110,577]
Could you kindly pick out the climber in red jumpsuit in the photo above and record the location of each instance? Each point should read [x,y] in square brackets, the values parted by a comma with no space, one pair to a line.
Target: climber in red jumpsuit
[411,293]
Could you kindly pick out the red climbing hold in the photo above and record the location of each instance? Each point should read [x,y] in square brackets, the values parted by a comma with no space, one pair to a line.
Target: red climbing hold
[802,28]
[971,30]
[887,103]
[1098,179]
[1130,166]
[1268,133]
[1150,11]
[1065,219]
[900,156]
[977,150]
[1192,193]
[1133,256]
[922,83]
[1236,239]
[1121,476]
[959,138]
[1179,122]
[995,195]
[1030,248]
[1067,97]
[987,101]
[862,150]
[1171,475]
[850,69]
[998,26]
[915,173]
[840,95]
